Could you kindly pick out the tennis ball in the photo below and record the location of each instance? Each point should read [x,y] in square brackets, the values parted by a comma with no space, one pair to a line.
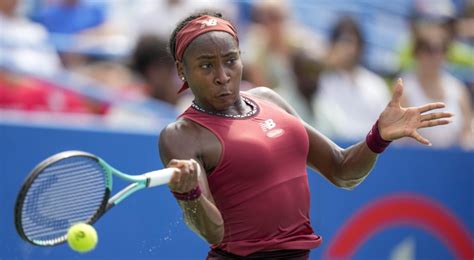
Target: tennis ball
[82,237]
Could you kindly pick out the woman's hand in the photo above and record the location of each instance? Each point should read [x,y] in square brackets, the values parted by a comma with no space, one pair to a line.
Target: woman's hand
[396,122]
[186,179]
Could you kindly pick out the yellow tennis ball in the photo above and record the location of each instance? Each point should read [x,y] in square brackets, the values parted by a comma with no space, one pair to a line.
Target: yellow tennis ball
[82,237]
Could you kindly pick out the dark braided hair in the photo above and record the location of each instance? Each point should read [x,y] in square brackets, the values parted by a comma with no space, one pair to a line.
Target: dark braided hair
[172,42]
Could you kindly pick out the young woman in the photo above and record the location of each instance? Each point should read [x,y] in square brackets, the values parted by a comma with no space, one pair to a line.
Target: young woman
[242,156]
[429,81]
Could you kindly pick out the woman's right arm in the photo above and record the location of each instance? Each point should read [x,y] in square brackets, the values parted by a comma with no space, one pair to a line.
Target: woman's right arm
[179,147]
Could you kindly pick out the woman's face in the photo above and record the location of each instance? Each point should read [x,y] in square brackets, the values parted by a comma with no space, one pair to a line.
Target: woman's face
[346,50]
[431,53]
[213,69]
[432,44]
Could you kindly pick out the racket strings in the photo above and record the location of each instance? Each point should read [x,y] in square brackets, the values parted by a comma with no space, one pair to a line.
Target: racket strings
[68,191]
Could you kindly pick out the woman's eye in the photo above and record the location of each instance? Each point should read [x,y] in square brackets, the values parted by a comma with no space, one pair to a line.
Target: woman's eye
[206,66]
[231,61]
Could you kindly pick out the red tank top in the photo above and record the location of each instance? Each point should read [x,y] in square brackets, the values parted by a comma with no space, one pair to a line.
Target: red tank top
[260,184]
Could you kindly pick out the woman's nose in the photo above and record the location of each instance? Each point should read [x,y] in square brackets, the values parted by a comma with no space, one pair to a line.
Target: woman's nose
[222,77]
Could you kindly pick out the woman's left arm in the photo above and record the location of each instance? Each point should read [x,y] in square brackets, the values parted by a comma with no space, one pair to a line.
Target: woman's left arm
[346,168]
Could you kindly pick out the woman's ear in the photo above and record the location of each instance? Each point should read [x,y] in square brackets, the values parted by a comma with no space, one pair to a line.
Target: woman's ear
[180,70]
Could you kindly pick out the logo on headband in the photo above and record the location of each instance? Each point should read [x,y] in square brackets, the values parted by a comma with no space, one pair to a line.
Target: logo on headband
[210,22]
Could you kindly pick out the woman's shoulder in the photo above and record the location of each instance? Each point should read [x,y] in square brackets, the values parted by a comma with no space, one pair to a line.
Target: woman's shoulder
[268,95]
[452,81]
[180,129]
[180,139]
[454,87]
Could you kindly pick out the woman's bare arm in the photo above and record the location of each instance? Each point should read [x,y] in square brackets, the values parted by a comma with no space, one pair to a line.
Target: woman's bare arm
[346,168]
[179,148]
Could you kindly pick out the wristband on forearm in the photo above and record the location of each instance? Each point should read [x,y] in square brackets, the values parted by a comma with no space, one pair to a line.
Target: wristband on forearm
[375,141]
[190,195]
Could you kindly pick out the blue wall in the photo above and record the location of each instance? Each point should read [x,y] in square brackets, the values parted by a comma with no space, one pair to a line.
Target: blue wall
[148,225]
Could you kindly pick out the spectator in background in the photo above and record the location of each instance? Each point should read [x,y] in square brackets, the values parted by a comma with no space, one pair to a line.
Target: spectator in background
[24,44]
[71,16]
[461,32]
[152,61]
[150,100]
[266,47]
[464,41]
[161,17]
[111,75]
[25,58]
[306,69]
[349,95]
[269,44]
[82,32]
[270,47]
[158,17]
[24,93]
[460,52]
[429,82]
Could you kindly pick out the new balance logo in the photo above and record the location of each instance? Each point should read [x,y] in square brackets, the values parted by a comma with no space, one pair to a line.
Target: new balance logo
[210,22]
[268,127]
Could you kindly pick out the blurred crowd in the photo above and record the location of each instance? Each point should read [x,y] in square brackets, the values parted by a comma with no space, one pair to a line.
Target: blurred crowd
[110,59]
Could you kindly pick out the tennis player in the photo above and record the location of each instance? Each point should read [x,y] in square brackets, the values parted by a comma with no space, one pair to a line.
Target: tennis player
[251,200]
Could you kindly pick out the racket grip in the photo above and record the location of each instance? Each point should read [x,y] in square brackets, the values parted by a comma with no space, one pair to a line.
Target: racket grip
[159,177]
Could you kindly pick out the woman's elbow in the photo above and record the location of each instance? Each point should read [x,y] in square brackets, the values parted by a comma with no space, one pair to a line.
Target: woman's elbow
[215,236]
[347,184]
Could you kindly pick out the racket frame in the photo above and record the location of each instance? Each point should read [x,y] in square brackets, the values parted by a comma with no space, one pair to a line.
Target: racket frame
[32,177]
[150,179]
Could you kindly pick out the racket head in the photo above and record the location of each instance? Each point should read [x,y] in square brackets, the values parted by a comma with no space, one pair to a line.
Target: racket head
[64,189]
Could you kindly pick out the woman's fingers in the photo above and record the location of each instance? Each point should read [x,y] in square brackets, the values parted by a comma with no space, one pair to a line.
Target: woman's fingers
[420,138]
[437,122]
[433,116]
[178,163]
[175,178]
[197,167]
[397,93]
[430,106]
[185,179]
[435,119]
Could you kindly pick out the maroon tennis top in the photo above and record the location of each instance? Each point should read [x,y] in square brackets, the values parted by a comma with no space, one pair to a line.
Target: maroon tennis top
[260,184]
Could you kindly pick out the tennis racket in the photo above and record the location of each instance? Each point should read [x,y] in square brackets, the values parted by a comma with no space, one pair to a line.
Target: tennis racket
[71,187]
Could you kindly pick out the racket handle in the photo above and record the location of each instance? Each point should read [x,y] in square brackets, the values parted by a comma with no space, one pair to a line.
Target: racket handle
[159,177]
